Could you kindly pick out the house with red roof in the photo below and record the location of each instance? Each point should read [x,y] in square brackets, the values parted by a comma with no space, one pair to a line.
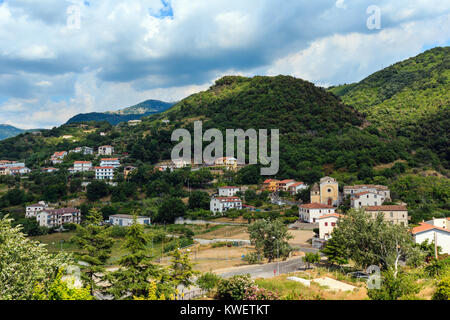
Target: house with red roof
[296,187]
[327,223]
[366,199]
[438,235]
[228,191]
[58,157]
[104,173]
[223,204]
[311,212]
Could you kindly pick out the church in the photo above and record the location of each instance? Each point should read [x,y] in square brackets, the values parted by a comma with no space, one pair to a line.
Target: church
[327,192]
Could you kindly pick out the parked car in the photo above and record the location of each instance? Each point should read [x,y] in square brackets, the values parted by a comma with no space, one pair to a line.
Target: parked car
[358,275]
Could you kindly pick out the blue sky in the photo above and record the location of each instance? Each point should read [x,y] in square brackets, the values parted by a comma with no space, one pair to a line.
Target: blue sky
[125,51]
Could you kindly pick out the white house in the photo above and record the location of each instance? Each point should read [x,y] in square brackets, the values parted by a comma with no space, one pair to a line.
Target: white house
[33,209]
[228,191]
[378,189]
[52,218]
[180,163]
[110,162]
[49,170]
[84,150]
[18,170]
[327,223]
[223,204]
[432,233]
[311,212]
[58,157]
[366,199]
[125,220]
[82,166]
[104,173]
[440,222]
[106,150]
[296,187]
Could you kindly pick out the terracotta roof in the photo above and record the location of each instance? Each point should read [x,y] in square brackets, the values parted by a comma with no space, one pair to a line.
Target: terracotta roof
[316,206]
[286,181]
[82,162]
[229,199]
[109,159]
[270,180]
[361,186]
[387,208]
[296,184]
[425,227]
[336,215]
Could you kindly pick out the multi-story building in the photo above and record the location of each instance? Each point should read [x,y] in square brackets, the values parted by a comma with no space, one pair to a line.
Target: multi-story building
[110,162]
[106,150]
[378,189]
[84,150]
[223,204]
[311,212]
[366,199]
[270,185]
[283,185]
[394,214]
[58,157]
[327,223]
[33,209]
[228,191]
[125,220]
[18,170]
[53,218]
[104,173]
[326,192]
[82,166]
[297,187]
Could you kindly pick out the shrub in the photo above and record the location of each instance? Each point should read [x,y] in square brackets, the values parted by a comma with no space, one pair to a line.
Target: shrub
[253,258]
[443,290]
[118,232]
[234,288]
[208,281]
[255,293]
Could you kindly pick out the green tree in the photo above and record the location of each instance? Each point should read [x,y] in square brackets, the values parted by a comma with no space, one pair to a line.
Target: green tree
[270,238]
[373,241]
[170,209]
[335,252]
[394,286]
[311,258]
[25,263]
[181,269]
[60,289]
[96,244]
[199,200]
[136,269]
[97,190]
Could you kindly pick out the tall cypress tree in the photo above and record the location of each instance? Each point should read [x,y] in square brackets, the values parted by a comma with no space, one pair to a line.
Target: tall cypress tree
[96,244]
[136,270]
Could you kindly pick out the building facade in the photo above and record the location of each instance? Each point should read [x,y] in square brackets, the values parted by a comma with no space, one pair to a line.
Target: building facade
[311,212]
[326,192]
[366,199]
[433,234]
[327,223]
[382,191]
[53,218]
[104,173]
[394,214]
[32,210]
[228,191]
[110,162]
[106,150]
[223,204]
[125,220]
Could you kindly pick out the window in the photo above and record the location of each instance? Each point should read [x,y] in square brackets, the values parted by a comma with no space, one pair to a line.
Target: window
[329,190]
[326,224]
[333,224]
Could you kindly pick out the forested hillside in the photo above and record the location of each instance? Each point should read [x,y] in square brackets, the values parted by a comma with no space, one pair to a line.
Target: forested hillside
[408,99]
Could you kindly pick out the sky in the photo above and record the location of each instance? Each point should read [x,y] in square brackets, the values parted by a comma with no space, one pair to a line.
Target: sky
[59,58]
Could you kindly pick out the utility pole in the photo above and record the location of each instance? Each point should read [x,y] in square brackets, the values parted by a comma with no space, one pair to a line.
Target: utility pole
[435,245]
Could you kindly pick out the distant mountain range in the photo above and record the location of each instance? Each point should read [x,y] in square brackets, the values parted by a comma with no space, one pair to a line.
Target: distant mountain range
[7,131]
[136,112]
